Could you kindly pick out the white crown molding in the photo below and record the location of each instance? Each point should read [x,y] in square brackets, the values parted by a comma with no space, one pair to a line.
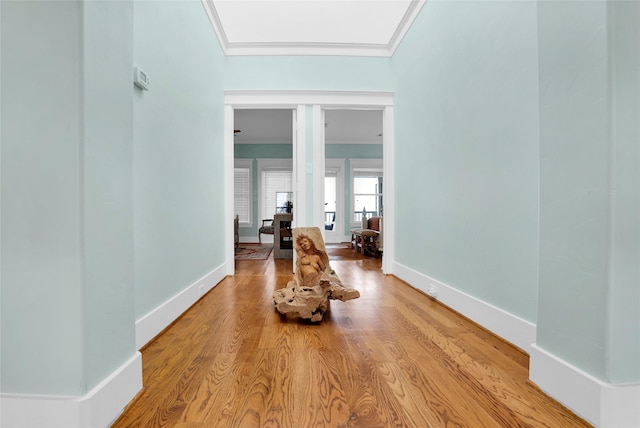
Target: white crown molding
[407,20]
[313,49]
[307,49]
[216,24]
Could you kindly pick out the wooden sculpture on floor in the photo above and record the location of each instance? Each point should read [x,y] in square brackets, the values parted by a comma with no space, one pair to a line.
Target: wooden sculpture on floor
[307,294]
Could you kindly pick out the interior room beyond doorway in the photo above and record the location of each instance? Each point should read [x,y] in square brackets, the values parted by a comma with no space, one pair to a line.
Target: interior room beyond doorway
[353,170]
[263,173]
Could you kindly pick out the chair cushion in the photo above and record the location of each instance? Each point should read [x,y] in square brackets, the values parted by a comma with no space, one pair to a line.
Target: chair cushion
[366,232]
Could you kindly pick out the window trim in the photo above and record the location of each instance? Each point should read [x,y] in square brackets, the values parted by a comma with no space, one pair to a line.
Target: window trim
[337,166]
[354,164]
[246,163]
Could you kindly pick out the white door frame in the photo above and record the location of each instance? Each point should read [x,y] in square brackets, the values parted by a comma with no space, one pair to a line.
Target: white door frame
[298,100]
[338,233]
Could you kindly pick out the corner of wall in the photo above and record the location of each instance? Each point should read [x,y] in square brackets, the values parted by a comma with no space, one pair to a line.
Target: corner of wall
[158,319]
[511,328]
[99,408]
[598,402]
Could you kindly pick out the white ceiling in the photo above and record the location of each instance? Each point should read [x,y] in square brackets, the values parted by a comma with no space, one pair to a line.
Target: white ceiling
[311,27]
[276,126]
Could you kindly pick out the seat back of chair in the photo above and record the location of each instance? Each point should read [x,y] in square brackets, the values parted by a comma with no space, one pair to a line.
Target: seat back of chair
[236,227]
[373,223]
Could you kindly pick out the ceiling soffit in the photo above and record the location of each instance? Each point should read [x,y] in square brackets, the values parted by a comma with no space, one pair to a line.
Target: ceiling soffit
[311,27]
[275,126]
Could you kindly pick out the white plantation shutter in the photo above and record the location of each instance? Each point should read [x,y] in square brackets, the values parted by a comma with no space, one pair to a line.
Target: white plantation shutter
[367,180]
[272,182]
[242,194]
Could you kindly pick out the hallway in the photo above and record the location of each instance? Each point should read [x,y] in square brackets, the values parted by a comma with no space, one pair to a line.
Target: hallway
[393,357]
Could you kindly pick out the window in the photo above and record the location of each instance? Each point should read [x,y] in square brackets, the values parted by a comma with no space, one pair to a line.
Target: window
[367,179]
[242,191]
[276,184]
[330,199]
[284,202]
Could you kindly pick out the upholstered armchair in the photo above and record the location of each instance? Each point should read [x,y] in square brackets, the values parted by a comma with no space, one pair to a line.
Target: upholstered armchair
[266,228]
[369,238]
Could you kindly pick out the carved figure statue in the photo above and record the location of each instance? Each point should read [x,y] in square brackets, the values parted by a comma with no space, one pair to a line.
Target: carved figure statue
[307,294]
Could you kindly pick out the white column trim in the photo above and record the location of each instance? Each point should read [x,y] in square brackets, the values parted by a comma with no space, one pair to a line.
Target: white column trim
[299,165]
[228,194]
[388,215]
[339,234]
[318,167]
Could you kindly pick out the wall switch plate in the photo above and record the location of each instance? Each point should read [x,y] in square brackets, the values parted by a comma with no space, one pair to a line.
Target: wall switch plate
[141,79]
[432,291]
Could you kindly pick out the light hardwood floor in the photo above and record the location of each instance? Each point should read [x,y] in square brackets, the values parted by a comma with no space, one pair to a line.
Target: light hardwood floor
[392,358]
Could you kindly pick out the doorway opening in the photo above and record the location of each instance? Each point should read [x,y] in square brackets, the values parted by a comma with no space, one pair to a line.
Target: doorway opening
[308,153]
[353,149]
[263,171]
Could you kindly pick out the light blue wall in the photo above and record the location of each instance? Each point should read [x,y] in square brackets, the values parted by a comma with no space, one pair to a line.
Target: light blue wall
[178,157]
[111,196]
[589,217]
[309,73]
[623,334]
[574,153]
[466,149]
[67,290]
[103,220]
[41,210]
[265,151]
[353,151]
[107,276]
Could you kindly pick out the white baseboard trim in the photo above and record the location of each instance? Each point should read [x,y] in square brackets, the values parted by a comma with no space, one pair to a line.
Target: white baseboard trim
[99,408]
[341,239]
[251,240]
[513,329]
[158,319]
[601,404]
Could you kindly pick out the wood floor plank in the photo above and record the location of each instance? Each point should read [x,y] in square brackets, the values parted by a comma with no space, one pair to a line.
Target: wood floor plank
[392,358]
